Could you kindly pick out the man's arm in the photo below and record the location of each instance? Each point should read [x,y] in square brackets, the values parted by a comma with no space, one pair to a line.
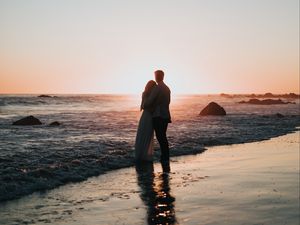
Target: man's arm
[153,96]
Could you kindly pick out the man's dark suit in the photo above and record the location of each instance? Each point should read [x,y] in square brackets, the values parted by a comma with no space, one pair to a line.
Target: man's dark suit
[160,100]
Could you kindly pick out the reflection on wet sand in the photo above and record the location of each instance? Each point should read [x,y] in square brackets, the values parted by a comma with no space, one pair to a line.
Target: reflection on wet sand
[155,193]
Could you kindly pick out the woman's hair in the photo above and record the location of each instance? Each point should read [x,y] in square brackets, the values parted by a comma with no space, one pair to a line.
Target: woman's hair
[149,86]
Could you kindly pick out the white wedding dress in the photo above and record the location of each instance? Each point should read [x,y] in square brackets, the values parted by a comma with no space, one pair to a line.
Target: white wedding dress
[145,136]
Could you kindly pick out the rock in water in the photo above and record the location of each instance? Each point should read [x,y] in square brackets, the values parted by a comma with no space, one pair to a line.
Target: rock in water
[54,124]
[255,101]
[27,121]
[213,109]
[44,96]
[279,115]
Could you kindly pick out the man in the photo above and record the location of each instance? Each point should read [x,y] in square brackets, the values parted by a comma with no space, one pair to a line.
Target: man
[160,99]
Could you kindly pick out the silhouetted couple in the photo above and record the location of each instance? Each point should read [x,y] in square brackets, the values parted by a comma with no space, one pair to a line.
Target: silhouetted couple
[155,118]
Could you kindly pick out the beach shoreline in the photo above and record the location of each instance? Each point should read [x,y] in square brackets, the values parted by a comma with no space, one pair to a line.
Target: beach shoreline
[251,183]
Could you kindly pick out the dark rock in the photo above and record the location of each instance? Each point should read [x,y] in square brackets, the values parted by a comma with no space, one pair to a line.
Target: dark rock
[252,95]
[279,115]
[44,96]
[292,95]
[255,101]
[54,124]
[226,95]
[76,162]
[213,109]
[268,95]
[27,121]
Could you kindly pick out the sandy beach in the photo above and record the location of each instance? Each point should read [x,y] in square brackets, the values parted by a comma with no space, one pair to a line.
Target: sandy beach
[252,183]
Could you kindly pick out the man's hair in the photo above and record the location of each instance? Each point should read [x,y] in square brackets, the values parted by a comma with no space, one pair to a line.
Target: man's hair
[159,75]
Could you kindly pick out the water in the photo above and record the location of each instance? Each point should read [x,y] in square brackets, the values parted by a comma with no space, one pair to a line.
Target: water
[258,181]
[98,131]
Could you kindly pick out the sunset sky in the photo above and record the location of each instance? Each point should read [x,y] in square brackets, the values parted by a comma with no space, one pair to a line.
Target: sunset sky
[111,46]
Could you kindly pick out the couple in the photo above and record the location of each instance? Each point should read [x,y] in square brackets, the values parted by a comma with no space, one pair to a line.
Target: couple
[155,118]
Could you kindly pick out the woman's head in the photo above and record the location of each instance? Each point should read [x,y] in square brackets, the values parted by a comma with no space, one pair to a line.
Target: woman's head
[149,86]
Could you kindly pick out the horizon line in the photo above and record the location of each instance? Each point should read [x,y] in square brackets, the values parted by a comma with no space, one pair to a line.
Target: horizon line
[127,93]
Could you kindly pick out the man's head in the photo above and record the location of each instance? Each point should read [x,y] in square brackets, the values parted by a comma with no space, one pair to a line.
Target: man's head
[159,75]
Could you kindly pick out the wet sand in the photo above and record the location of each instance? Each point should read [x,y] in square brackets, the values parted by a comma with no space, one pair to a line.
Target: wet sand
[253,183]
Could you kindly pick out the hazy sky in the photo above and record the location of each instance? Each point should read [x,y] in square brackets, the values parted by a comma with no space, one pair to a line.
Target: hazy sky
[111,46]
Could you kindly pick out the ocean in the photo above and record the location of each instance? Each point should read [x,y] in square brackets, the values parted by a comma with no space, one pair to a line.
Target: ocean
[97,134]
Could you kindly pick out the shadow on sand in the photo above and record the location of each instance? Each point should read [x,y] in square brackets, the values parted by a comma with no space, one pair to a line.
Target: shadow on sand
[155,193]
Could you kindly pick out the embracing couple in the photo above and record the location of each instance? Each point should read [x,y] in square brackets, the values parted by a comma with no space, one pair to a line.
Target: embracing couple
[155,118]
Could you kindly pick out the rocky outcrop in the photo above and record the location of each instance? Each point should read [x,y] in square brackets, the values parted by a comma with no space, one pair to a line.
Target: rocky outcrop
[54,124]
[279,115]
[266,95]
[27,121]
[255,101]
[213,109]
[226,95]
[44,96]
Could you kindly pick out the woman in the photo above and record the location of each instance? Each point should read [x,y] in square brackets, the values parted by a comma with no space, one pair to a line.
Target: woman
[144,137]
